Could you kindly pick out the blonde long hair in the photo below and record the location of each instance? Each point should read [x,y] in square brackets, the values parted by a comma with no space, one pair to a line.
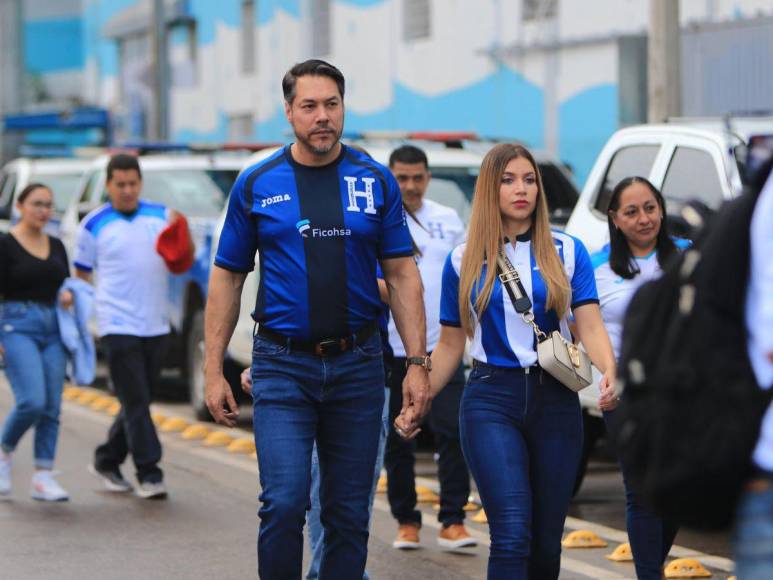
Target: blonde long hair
[486,234]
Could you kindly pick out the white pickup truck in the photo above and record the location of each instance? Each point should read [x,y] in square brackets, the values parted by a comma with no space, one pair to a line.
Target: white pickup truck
[688,159]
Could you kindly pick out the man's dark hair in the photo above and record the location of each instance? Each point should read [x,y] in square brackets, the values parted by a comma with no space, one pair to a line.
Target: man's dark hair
[408,154]
[123,162]
[312,67]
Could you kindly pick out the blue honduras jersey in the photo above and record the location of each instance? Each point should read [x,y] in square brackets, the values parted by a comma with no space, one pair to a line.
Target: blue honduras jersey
[501,337]
[319,232]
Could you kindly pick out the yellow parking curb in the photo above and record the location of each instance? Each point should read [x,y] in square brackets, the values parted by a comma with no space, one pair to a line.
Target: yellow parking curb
[583,539]
[381,486]
[470,506]
[425,495]
[254,455]
[158,418]
[480,517]
[245,446]
[71,393]
[621,554]
[174,425]
[218,439]
[195,432]
[686,568]
[86,397]
[114,409]
[102,403]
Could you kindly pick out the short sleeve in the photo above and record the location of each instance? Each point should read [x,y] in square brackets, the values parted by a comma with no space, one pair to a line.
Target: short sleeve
[239,237]
[85,250]
[449,295]
[459,230]
[395,235]
[583,280]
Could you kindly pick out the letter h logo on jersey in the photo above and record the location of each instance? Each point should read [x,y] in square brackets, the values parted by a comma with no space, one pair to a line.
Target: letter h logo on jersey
[351,185]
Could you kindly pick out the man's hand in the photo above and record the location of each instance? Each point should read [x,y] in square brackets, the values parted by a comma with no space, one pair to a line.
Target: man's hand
[404,425]
[220,401]
[246,381]
[415,397]
[65,299]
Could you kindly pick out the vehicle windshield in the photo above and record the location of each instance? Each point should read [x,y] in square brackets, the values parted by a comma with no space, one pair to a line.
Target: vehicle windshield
[224,179]
[62,185]
[453,187]
[190,191]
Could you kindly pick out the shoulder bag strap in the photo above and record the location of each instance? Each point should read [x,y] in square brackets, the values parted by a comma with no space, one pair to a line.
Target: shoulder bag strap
[511,281]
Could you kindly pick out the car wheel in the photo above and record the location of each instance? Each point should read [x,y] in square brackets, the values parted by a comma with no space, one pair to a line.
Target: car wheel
[195,367]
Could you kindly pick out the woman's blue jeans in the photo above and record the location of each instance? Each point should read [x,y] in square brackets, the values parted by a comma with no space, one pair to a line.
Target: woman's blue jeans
[650,536]
[35,360]
[522,438]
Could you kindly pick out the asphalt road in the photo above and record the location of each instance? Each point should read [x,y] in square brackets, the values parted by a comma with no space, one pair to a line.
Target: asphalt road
[207,527]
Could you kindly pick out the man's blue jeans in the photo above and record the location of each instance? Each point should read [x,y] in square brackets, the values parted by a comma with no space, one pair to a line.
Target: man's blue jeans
[650,535]
[753,541]
[522,437]
[35,360]
[338,401]
[313,523]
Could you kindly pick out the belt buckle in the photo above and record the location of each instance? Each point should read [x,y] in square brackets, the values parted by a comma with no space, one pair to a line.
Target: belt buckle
[330,346]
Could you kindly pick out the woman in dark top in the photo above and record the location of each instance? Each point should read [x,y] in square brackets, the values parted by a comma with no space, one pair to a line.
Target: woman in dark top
[33,266]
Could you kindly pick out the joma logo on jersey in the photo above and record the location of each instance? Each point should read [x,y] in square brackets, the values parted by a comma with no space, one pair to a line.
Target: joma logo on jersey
[274,199]
[354,194]
[305,229]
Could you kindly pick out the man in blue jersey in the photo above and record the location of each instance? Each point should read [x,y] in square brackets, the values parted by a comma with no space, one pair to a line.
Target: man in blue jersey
[321,215]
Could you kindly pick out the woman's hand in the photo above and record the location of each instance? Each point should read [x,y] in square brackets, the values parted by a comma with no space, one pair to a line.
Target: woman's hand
[404,424]
[608,398]
[65,299]
[246,381]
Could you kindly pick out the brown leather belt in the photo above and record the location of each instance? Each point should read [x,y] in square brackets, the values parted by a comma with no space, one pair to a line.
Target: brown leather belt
[323,347]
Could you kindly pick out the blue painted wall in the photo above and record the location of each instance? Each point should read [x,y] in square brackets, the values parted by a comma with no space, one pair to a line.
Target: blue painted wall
[53,45]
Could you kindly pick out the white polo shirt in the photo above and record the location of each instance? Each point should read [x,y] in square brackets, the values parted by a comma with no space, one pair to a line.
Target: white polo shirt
[759,313]
[438,232]
[131,277]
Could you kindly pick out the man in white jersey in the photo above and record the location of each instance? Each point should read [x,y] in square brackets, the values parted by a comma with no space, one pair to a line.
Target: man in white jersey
[754,534]
[436,230]
[117,241]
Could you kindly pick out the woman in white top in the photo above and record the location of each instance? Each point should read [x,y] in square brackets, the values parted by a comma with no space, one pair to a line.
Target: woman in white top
[521,430]
[639,247]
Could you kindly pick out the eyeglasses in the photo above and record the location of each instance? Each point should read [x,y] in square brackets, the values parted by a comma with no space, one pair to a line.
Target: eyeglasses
[42,204]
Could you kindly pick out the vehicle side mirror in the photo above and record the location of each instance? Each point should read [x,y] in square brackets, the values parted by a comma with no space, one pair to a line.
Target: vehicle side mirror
[560,215]
[84,208]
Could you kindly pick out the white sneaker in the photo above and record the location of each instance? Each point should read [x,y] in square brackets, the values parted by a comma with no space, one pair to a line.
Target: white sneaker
[5,476]
[45,488]
[151,490]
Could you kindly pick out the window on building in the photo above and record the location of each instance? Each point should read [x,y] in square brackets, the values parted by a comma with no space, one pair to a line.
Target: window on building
[692,175]
[538,9]
[248,37]
[416,20]
[633,160]
[321,24]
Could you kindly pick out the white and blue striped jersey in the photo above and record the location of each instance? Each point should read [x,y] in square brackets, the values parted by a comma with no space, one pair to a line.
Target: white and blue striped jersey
[616,292]
[501,336]
[131,276]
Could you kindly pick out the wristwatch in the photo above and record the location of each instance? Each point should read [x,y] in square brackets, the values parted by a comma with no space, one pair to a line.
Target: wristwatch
[422,361]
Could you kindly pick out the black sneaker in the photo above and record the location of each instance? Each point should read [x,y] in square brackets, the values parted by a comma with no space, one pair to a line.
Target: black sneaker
[112,479]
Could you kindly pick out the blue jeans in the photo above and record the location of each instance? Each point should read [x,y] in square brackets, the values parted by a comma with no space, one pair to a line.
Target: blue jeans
[338,401]
[522,439]
[651,536]
[753,541]
[35,366]
[313,523]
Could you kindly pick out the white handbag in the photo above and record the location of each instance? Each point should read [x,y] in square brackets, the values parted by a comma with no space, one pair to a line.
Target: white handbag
[562,359]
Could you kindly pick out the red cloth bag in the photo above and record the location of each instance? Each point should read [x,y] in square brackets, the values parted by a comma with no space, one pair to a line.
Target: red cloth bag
[175,246]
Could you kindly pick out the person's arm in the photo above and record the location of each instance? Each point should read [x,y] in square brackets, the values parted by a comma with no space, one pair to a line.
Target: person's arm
[406,302]
[446,357]
[222,312]
[594,337]
[84,275]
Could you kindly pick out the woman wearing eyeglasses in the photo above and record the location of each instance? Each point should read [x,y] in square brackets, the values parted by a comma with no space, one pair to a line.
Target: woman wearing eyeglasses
[33,266]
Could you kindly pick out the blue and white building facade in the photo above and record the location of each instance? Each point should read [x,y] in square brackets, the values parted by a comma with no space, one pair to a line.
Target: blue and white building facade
[556,74]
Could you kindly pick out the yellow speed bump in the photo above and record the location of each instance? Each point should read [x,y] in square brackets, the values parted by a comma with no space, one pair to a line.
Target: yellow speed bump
[583,539]
[71,393]
[195,432]
[480,517]
[381,486]
[469,507]
[174,425]
[686,568]
[86,397]
[218,439]
[114,409]
[101,403]
[425,495]
[158,418]
[621,554]
[242,445]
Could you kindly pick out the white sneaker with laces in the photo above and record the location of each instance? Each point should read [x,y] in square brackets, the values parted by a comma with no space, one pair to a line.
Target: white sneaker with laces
[151,490]
[5,476]
[44,487]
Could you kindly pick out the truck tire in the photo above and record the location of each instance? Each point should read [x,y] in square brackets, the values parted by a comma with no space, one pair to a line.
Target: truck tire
[194,366]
